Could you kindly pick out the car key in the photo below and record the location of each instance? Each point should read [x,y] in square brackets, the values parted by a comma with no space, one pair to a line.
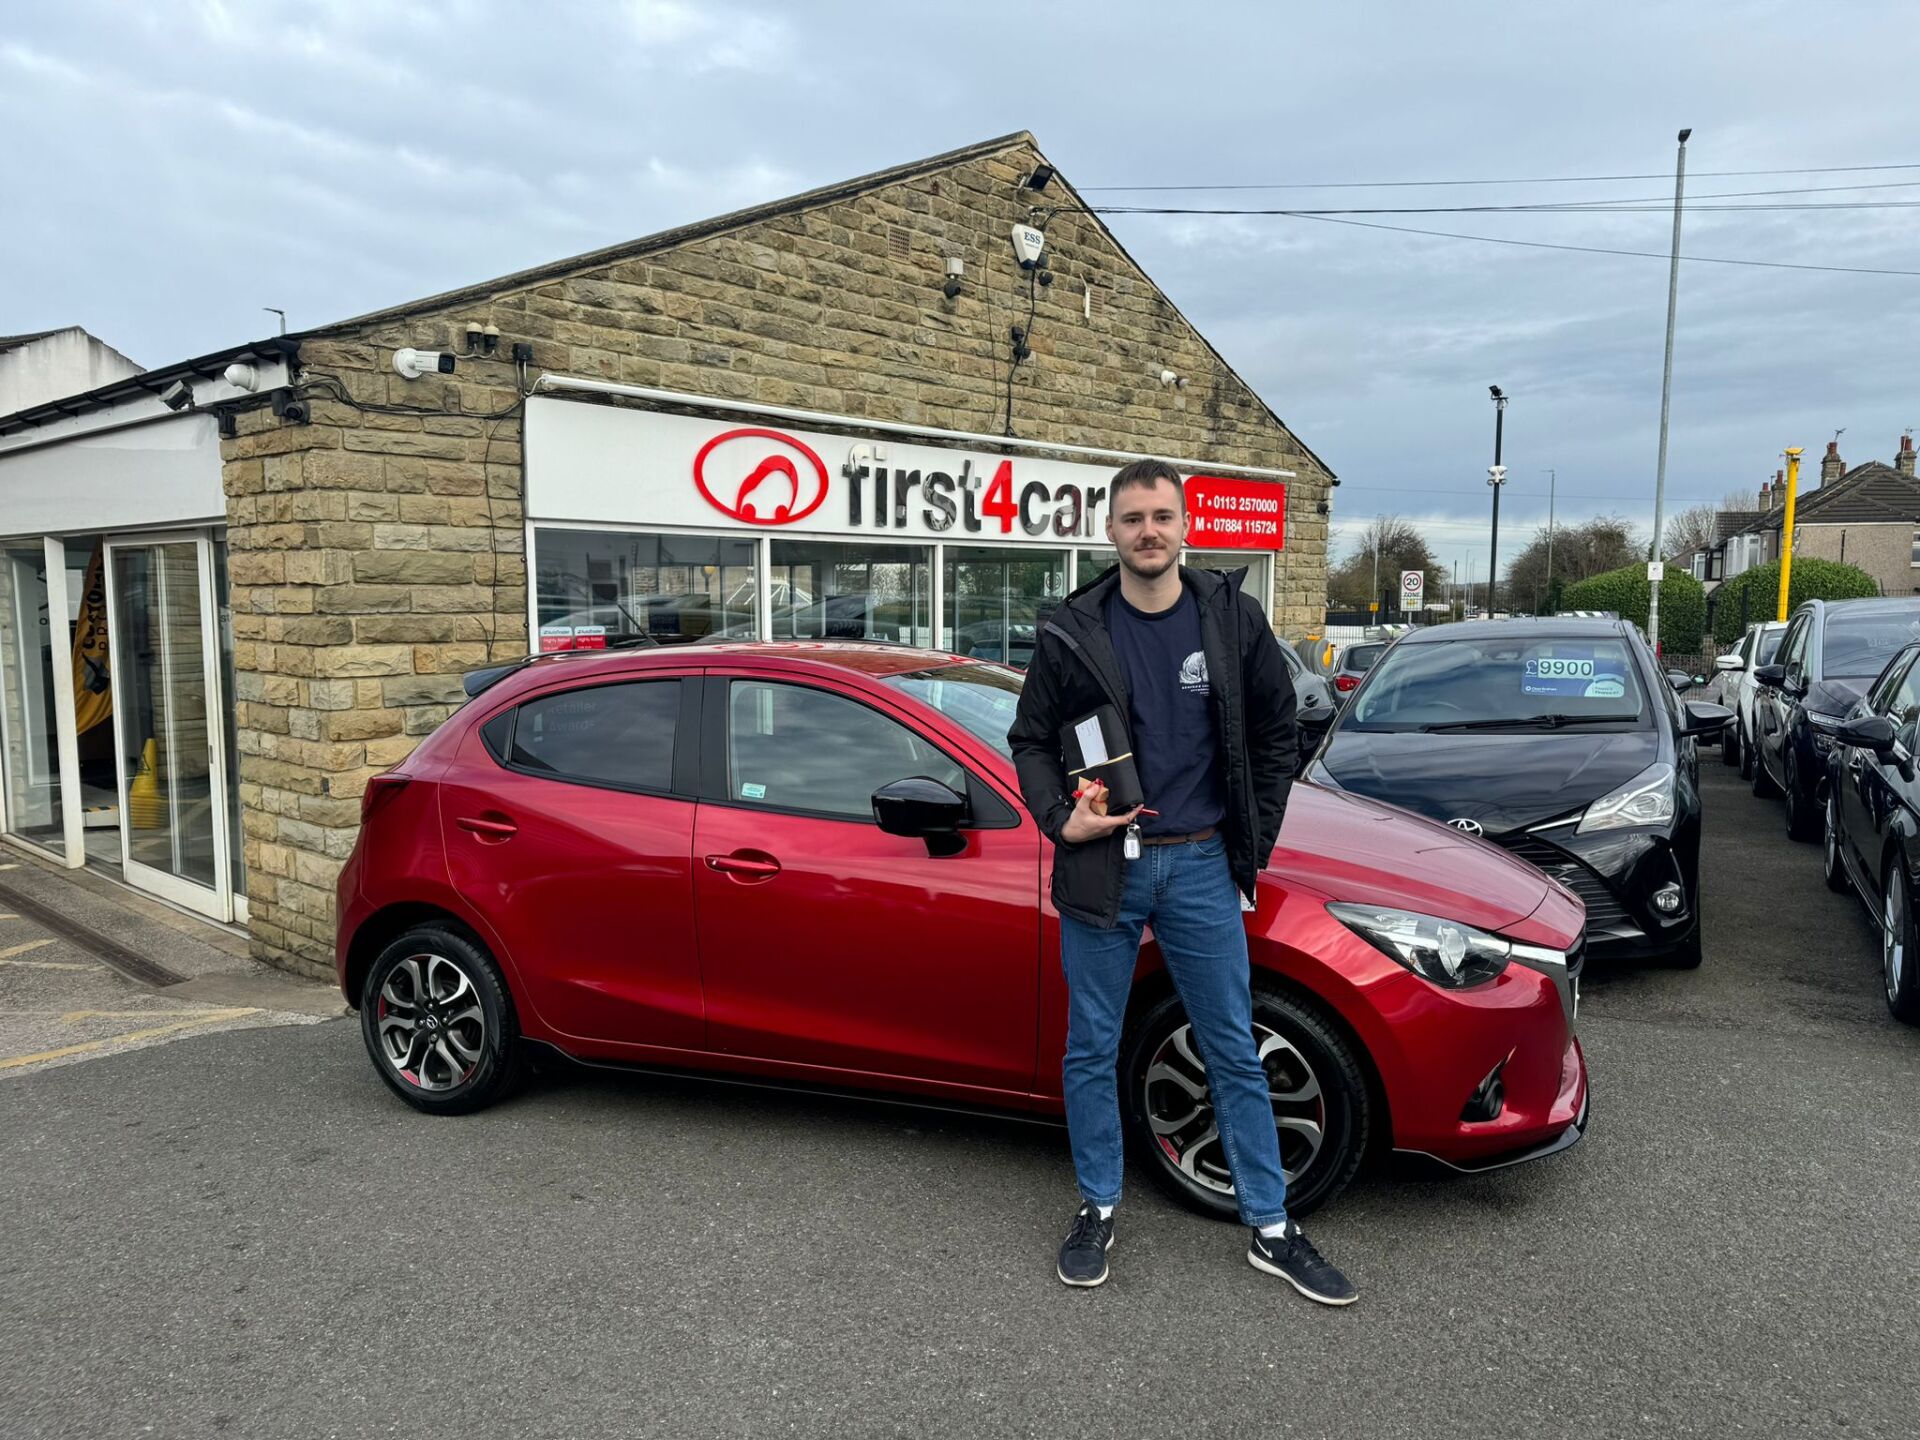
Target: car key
[1130,847]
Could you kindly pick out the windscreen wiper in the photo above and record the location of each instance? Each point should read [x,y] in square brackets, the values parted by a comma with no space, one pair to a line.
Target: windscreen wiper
[1522,722]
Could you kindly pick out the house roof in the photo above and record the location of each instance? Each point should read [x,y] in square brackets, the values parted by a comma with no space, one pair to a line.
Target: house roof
[1871,494]
[14,342]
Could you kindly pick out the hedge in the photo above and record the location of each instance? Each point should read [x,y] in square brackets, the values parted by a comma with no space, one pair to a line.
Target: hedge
[1626,591]
[1812,580]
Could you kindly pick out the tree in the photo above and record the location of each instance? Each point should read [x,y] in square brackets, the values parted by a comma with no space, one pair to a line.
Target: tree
[1399,546]
[1605,542]
[1688,531]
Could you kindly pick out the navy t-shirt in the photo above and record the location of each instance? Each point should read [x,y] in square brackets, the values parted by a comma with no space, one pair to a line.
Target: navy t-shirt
[1174,746]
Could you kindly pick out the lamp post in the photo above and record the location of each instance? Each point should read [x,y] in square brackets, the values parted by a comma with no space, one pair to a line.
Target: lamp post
[1666,391]
[1496,477]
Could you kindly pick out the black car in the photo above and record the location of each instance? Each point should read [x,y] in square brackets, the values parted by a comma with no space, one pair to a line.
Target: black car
[1830,653]
[1559,740]
[1872,803]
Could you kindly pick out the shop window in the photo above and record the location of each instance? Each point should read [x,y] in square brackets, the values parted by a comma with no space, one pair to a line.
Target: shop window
[824,591]
[997,600]
[794,748]
[29,739]
[619,736]
[1257,563]
[598,589]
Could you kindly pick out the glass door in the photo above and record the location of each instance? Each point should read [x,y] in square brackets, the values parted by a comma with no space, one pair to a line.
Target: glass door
[31,629]
[168,728]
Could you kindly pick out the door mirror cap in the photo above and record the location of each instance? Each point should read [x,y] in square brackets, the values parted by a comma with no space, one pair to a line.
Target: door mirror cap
[1704,719]
[1868,732]
[1771,676]
[1729,662]
[922,808]
[1679,680]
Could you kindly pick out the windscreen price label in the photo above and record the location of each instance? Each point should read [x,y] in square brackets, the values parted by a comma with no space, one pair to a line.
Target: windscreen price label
[1553,669]
[1236,514]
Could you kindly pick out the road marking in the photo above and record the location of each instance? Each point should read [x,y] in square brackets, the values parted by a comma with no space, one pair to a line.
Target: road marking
[14,950]
[52,965]
[150,1033]
[8,915]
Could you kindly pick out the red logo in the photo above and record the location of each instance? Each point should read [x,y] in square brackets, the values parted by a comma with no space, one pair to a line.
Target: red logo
[760,476]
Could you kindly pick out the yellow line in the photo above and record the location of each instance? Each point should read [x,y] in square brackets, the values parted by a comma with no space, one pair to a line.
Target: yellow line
[147,1034]
[9,953]
[8,915]
[52,965]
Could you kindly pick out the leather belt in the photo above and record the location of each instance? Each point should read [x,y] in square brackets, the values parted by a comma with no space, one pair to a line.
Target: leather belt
[1197,835]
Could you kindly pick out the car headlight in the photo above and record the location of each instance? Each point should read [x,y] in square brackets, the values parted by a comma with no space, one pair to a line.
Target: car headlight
[1647,799]
[1444,951]
[1821,728]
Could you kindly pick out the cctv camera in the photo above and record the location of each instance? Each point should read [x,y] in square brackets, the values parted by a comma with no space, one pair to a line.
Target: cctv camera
[242,376]
[1494,390]
[177,396]
[412,364]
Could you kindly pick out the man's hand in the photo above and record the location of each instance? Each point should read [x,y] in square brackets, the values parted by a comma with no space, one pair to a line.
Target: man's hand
[1090,819]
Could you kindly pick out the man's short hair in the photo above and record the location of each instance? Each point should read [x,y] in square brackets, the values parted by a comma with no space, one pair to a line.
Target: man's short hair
[1148,473]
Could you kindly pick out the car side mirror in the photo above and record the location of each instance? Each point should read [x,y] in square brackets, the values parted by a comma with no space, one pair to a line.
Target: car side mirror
[1771,676]
[1729,662]
[922,808]
[1868,732]
[1704,719]
[1679,680]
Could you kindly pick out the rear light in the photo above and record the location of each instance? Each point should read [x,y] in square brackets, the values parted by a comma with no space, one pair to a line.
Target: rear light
[379,792]
[1345,683]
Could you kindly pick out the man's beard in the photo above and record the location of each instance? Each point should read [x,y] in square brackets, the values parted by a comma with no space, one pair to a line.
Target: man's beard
[1132,562]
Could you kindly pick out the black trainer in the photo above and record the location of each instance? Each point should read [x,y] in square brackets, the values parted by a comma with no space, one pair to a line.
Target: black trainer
[1291,1256]
[1083,1259]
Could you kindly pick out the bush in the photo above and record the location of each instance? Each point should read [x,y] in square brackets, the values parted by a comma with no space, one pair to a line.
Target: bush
[1812,580]
[1626,592]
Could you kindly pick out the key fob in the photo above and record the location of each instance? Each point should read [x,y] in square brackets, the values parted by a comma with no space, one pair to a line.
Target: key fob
[1130,847]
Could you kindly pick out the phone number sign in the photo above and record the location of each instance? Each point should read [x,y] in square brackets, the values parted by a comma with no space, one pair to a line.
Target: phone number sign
[1236,514]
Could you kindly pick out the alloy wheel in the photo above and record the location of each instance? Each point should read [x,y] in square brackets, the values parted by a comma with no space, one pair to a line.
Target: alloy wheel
[1893,932]
[1179,1108]
[431,1027]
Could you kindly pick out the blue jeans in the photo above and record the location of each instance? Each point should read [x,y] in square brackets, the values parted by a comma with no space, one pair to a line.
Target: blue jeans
[1186,893]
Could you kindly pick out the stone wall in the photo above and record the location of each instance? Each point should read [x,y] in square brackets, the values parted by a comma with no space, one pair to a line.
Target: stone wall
[376,555]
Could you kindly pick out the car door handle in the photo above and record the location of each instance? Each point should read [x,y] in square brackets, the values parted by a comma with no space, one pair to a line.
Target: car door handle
[748,866]
[488,829]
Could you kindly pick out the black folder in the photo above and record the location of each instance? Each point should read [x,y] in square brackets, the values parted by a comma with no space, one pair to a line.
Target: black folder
[1096,747]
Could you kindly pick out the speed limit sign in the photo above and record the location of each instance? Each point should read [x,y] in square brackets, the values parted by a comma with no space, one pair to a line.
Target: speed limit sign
[1413,584]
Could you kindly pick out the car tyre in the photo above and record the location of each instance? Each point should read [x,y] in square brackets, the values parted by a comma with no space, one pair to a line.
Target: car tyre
[1802,822]
[1899,972]
[1763,785]
[1730,747]
[1832,866]
[439,1022]
[1302,1050]
[1746,752]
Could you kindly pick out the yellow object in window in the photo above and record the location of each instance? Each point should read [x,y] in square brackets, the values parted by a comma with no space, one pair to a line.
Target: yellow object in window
[146,805]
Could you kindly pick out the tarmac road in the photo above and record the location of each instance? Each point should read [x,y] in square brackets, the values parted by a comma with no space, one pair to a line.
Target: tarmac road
[243,1233]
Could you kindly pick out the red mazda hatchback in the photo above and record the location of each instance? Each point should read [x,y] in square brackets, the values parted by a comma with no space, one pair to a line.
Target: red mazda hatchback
[809,864]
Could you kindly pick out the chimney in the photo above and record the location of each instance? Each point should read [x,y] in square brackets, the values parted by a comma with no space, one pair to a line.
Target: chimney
[1832,467]
[1903,462]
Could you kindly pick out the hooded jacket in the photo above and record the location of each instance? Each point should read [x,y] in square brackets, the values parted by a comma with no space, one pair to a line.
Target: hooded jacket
[1075,670]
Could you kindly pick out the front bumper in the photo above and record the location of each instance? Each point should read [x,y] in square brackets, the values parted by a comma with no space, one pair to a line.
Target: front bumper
[1616,875]
[1571,1109]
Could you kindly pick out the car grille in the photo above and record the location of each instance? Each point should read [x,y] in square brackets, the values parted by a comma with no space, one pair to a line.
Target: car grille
[1605,915]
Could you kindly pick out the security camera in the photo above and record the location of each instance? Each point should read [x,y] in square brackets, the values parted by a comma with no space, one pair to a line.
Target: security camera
[242,376]
[177,396]
[412,364]
[1027,245]
[956,273]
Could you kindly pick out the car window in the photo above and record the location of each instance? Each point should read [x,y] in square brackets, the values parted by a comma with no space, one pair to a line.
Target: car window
[790,747]
[1498,678]
[620,736]
[1880,699]
[983,698]
[1358,659]
[1903,705]
[1794,647]
[1858,643]
[1769,645]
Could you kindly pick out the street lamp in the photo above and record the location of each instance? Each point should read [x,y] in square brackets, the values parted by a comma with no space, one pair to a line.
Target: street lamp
[1496,477]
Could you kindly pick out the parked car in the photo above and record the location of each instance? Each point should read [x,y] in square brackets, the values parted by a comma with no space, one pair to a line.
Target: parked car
[1830,653]
[810,864]
[1734,686]
[1313,701]
[1353,662]
[1872,809]
[1557,740]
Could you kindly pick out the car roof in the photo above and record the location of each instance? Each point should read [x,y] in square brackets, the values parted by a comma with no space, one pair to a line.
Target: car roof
[864,657]
[1870,604]
[1541,627]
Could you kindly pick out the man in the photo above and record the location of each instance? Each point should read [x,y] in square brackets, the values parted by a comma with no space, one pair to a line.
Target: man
[1191,665]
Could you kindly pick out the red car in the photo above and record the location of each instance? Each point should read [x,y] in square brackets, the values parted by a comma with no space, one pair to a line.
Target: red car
[809,864]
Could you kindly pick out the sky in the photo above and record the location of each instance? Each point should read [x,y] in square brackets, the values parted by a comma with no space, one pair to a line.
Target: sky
[174,168]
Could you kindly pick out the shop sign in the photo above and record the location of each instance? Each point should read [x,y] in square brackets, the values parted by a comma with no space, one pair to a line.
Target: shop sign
[601,464]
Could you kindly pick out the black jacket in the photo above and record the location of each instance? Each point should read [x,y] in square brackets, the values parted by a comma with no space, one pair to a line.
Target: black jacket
[1075,670]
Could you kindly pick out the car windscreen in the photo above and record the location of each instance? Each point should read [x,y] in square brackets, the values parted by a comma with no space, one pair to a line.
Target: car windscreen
[1857,644]
[1490,681]
[1358,659]
[979,697]
[1770,645]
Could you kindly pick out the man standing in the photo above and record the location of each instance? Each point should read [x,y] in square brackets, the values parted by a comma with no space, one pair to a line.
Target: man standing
[1194,670]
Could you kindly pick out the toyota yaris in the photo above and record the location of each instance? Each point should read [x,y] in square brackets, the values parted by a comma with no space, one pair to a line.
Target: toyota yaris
[808,864]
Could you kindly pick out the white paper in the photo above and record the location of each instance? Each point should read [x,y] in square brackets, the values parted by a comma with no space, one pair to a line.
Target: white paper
[1093,747]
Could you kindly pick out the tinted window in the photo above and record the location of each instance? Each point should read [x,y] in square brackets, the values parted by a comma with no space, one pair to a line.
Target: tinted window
[1879,696]
[1769,643]
[982,698]
[793,748]
[1358,659]
[1858,644]
[495,732]
[1793,644]
[1904,704]
[617,735]
[1498,678]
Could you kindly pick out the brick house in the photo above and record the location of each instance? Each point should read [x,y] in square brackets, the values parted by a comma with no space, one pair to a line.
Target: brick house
[322,532]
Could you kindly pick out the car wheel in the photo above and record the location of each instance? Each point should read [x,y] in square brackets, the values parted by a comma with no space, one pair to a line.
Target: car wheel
[1321,1105]
[1730,745]
[1832,865]
[439,1022]
[1897,968]
[1746,753]
[1803,822]
[1763,785]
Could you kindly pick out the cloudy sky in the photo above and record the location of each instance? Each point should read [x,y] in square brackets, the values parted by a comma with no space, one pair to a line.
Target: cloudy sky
[174,167]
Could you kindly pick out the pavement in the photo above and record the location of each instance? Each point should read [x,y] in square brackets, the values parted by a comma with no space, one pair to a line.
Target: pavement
[243,1233]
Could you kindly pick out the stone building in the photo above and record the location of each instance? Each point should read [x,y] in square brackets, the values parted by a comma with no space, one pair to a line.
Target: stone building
[852,412]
